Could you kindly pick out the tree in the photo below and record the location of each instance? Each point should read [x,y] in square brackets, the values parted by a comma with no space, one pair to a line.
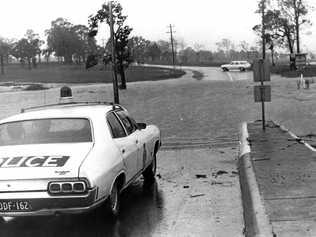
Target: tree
[226,45]
[244,45]
[121,36]
[83,44]
[69,41]
[296,12]
[187,56]
[35,42]
[4,52]
[278,29]
[60,38]
[27,48]
[138,46]
[153,51]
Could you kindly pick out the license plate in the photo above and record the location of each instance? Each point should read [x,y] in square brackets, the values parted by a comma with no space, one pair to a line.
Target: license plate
[7,206]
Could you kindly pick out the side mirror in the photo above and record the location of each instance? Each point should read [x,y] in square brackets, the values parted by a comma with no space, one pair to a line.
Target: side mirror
[141,126]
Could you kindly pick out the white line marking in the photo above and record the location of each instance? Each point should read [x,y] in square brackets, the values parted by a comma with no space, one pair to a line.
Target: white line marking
[230,76]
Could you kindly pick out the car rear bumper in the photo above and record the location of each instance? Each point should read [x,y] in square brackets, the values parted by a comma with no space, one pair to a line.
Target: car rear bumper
[54,205]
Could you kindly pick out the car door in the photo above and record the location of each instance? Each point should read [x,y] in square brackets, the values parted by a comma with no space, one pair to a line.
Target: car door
[232,66]
[139,135]
[126,143]
[236,65]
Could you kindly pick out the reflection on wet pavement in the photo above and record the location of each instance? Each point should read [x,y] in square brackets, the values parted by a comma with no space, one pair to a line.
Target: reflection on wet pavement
[141,210]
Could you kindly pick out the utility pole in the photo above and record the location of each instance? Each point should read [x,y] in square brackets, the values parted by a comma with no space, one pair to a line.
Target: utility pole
[115,85]
[172,45]
[2,64]
[263,3]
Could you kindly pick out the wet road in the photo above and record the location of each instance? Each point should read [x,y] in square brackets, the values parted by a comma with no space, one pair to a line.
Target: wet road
[196,194]
[199,123]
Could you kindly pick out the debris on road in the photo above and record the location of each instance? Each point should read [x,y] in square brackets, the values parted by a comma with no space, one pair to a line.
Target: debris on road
[220,172]
[216,183]
[197,195]
[201,176]
[224,184]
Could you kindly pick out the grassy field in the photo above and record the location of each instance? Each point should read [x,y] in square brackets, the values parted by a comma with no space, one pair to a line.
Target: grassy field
[54,73]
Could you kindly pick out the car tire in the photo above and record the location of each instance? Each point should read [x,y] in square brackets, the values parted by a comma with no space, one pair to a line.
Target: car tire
[150,172]
[225,69]
[242,69]
[113,201]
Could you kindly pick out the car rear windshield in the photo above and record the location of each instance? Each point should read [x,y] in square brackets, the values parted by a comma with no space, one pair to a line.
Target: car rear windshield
[45,131]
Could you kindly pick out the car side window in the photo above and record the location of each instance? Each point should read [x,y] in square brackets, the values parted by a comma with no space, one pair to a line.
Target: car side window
[129,123]
[115,126]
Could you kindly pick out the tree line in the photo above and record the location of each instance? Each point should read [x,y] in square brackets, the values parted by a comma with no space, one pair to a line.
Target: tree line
[283,22]
[69,43]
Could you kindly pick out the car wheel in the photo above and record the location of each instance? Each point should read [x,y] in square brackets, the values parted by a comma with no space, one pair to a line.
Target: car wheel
[225,69]
[113,201]
[242,69]
[150,172]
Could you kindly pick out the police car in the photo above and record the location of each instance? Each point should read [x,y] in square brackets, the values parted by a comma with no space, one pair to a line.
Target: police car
[72,157]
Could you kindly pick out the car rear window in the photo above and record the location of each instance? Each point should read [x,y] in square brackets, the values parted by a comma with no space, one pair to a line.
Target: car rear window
[44,131]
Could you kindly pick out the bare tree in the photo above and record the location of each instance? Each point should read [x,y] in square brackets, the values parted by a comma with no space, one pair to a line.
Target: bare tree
[296,11]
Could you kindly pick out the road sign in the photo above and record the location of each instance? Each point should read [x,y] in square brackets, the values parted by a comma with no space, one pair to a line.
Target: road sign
[300,59]
[261,70]
[262,93]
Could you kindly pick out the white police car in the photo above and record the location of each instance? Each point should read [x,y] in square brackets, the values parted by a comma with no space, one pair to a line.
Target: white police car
[71,158]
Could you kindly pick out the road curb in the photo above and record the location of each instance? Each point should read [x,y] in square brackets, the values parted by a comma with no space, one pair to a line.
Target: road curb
[256,220]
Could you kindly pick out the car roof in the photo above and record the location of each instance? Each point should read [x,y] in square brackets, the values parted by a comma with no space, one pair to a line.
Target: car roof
[240,61]
[67,110]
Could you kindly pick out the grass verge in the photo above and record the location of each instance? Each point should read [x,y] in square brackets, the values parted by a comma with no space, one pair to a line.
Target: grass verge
[54,73]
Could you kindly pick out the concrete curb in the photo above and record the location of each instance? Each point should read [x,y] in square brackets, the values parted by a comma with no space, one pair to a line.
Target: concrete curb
[256,220]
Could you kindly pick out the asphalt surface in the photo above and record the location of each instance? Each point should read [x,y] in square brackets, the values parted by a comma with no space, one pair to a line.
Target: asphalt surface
[197,187]
[285,172]
[196,194]
[199,121]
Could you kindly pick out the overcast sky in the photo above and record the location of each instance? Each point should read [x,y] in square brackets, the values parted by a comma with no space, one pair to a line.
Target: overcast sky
[200,21]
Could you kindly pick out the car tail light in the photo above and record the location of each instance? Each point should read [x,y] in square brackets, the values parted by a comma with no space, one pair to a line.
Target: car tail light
[78,187]
[71,187]
[55,188]
[66,187]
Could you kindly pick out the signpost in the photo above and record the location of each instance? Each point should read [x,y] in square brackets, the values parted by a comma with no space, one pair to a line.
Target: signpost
[262,93]
[300,64]
[300,60]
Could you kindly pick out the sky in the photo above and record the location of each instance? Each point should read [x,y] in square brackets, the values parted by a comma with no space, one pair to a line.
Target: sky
[203,22]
